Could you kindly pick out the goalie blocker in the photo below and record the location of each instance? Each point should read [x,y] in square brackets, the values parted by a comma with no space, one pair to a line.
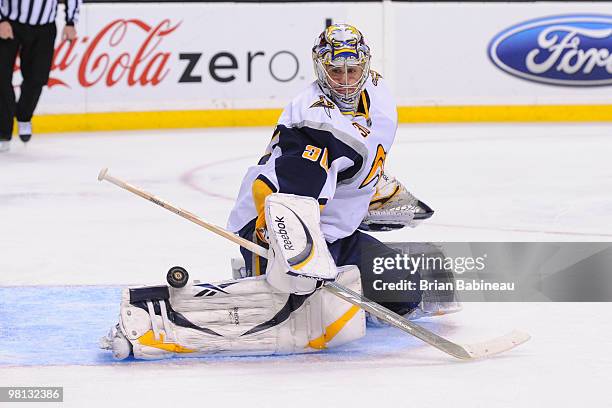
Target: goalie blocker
[236,317]
[298,259]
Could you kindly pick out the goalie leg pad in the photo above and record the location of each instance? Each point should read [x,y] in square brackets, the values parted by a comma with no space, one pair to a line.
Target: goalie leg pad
[237,317]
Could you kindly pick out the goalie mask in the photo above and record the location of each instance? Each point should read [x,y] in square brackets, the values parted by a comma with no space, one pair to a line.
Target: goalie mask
[342,64]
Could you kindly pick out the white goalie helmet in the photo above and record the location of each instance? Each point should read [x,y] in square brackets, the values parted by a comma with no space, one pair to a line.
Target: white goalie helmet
[342,64]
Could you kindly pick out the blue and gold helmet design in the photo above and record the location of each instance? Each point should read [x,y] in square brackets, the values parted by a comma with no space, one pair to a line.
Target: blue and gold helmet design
[341,61]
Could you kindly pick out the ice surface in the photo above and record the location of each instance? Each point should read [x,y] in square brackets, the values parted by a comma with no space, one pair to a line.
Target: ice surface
[68,243]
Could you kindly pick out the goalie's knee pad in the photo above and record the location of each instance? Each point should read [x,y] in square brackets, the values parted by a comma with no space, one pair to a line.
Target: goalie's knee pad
[237,317]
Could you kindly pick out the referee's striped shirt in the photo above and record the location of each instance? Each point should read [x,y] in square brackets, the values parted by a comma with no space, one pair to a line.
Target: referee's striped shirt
[37,12]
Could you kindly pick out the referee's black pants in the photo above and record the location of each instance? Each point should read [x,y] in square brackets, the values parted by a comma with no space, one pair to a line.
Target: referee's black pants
[35,47]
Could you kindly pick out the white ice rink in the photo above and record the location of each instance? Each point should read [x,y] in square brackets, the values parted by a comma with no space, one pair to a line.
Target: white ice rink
[60,227]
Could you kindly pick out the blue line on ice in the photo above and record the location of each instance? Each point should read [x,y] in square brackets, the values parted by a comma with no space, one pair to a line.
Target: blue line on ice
[61,325]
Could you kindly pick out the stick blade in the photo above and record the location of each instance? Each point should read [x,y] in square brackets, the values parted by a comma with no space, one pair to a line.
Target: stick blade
[496,346]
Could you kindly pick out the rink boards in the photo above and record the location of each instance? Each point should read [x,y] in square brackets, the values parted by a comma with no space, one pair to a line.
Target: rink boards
[167,66]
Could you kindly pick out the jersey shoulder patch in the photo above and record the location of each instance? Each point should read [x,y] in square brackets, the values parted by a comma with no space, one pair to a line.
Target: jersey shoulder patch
[323,103]
[310,105]
[375,77]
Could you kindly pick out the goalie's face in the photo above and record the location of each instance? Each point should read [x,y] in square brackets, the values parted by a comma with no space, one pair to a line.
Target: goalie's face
[344,79]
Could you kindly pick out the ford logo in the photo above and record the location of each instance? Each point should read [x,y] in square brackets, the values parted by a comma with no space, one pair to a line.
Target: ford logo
[574,50]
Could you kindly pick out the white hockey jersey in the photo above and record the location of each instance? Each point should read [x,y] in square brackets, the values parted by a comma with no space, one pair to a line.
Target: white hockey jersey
[318,151]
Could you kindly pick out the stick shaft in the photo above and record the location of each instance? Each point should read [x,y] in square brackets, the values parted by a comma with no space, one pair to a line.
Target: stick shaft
[251,246]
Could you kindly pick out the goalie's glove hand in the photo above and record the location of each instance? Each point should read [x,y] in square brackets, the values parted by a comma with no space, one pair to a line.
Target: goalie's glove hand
[393,207]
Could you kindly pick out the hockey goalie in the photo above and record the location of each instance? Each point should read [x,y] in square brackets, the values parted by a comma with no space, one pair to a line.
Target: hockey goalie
[318,186]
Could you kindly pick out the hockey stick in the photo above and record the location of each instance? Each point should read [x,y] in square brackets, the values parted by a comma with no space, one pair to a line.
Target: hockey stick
[463,352]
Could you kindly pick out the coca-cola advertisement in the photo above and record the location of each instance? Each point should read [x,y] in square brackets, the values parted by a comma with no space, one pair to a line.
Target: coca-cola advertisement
[130,58]
[101,60]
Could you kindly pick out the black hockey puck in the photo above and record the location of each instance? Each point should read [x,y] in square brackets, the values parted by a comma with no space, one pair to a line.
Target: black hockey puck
[177,277]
